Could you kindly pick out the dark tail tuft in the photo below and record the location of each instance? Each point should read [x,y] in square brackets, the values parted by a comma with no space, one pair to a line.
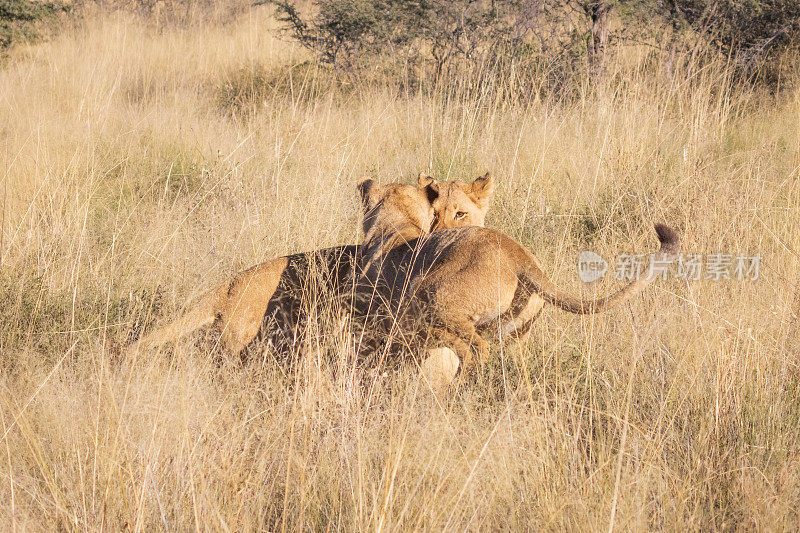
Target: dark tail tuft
[670,242]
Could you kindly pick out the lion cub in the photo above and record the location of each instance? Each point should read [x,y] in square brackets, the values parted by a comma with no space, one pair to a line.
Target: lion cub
[271,299]
[467,280]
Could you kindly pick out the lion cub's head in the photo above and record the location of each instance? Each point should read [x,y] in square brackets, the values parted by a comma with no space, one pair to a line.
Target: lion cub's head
[406,212]
[402,211]
[456,203]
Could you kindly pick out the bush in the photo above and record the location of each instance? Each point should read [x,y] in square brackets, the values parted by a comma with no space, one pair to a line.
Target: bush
[18,19]
[346,32]
[748,28]
[554,37]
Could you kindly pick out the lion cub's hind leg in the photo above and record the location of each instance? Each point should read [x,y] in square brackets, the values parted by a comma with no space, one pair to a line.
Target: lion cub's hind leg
[249,295]
[461,336]
[438,369]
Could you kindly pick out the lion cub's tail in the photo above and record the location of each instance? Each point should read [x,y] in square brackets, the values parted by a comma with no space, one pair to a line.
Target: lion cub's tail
[534,281]
[202,313]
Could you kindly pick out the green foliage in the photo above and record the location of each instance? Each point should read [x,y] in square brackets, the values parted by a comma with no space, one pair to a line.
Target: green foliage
[752,27]
[549,38]
[343,28]
[343,32]
[18,19]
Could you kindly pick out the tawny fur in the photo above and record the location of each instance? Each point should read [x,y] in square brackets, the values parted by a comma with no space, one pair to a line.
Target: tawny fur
[461,204]
[237,308]
[464,281]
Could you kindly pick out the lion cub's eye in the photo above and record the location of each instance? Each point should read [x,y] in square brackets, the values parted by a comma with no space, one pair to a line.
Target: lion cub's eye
[460,215]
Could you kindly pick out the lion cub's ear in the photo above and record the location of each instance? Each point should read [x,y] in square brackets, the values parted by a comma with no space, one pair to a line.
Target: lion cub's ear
[482,188]
[423,180]
[367,188]
[429,186]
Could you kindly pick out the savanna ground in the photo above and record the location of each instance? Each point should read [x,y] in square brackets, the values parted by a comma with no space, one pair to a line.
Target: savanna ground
[142,165]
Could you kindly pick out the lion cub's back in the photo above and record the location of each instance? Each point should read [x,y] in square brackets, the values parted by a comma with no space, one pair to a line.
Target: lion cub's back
[473,244]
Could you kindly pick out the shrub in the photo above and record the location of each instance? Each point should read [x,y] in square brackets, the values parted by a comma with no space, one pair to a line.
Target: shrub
[552,36]
[18,19]
[750,28]
[346,32]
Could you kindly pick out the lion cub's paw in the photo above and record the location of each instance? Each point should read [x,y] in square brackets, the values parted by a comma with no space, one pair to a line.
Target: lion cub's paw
[439,368]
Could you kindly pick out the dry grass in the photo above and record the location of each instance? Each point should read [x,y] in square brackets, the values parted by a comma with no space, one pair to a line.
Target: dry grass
[139,167]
